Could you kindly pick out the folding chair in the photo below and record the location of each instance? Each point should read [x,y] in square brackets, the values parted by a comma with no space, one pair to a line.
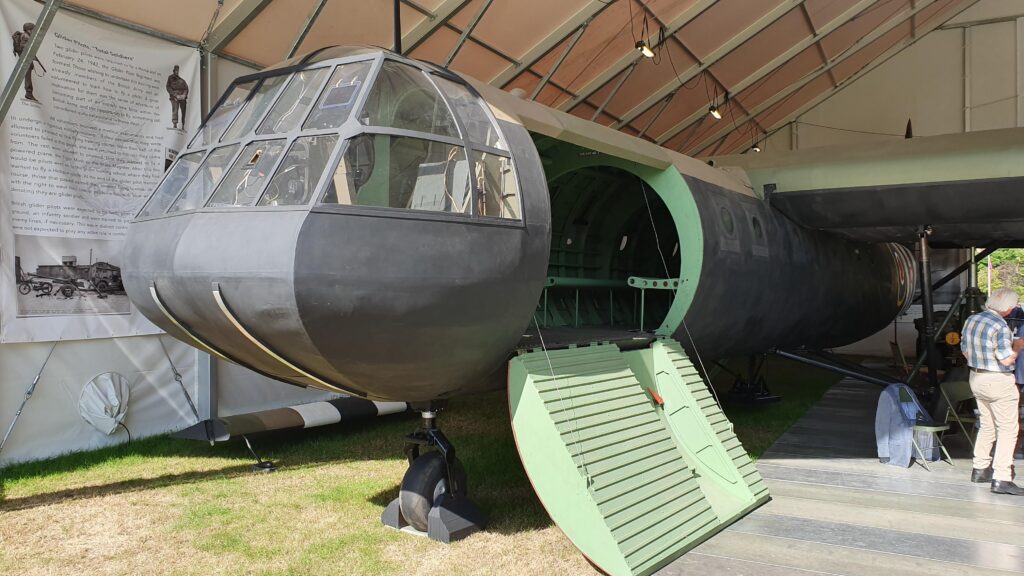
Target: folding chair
[954,392]
[924,423]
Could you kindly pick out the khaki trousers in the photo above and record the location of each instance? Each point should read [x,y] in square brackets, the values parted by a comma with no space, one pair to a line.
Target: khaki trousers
[998,405]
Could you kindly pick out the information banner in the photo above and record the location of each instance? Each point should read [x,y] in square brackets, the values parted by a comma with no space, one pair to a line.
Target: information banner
[102,112]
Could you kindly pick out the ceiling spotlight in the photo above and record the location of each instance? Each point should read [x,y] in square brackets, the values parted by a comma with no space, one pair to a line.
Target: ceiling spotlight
[755,148]
[714,112]
[644,49]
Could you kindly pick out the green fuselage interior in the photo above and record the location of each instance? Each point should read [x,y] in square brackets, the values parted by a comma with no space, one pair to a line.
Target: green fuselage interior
[606,226]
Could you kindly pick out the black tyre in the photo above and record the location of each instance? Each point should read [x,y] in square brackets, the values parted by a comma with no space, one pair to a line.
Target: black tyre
[67,291]
[24,288]
[424,481]
[102,286]
[46,288]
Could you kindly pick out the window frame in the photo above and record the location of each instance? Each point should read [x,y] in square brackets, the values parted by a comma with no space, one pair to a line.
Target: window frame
[464,142]
[206,155]
[316,94]
[350,129]
[285,146]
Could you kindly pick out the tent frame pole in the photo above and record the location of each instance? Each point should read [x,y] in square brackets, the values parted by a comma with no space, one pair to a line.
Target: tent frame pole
[28,55]
[28,395]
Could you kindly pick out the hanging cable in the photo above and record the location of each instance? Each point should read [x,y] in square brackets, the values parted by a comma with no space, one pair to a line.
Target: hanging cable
[555,379]
[561,398]
[127,431]
[849,129]
[664,263]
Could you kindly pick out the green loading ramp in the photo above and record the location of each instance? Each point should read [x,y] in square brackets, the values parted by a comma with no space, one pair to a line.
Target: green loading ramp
[629,452]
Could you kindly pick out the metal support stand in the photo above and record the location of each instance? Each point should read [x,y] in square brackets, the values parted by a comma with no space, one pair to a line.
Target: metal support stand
[826,361]
[452,515]
[973,297]
[754,388]
[952,313]
[928,310]
[261,465]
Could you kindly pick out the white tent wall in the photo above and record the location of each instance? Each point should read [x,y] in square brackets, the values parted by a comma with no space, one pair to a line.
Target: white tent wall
[929,84]
[222,73]
[50,423]
[241,391]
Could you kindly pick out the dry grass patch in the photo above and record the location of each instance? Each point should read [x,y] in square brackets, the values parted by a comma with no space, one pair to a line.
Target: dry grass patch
[164,506]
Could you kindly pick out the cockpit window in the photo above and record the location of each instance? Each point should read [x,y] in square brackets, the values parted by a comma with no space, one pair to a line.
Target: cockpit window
[291,109]
[220,118]
[403,97]
[176,178]
[255,108]
[199,189]
[299,172]
[244,182]
[402,172]
[339,96]
[498,194]
[404,138]
[470,110]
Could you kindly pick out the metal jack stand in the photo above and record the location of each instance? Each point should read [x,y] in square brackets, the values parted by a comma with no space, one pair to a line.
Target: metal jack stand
[433,497]
[261,465]
[753,389]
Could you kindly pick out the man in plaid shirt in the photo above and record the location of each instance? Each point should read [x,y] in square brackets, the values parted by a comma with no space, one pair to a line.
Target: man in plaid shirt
[991,353]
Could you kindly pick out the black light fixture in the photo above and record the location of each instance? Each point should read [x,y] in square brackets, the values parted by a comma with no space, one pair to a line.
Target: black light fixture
[644,49]
[756,146]
[713,110]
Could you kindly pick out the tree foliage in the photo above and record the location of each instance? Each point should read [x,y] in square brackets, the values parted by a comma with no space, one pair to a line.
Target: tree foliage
[1007,271]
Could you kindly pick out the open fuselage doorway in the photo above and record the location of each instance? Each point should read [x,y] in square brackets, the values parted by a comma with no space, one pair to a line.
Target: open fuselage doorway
[607,226]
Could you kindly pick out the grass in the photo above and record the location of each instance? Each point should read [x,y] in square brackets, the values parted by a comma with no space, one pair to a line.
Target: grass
[166,506]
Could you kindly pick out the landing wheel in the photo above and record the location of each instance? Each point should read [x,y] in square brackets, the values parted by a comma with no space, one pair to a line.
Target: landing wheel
[67,291]
[24,289]
[423,484]
[433,495]
[46,287]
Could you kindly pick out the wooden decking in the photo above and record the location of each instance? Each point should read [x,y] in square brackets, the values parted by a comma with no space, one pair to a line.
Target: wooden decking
[837,510]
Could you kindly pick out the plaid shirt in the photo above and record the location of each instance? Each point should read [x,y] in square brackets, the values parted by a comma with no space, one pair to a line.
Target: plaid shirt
[986,340]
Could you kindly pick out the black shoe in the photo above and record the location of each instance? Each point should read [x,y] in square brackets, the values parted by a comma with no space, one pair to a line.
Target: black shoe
[981,476]
[1000,487]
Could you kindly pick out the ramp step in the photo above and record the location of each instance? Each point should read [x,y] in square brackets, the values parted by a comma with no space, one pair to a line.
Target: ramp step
[633,484]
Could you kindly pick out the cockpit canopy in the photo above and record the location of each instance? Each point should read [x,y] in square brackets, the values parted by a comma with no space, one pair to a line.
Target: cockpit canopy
[345,126]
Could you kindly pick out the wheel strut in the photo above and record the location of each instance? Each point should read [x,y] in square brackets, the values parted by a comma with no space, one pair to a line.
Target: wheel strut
[428,434]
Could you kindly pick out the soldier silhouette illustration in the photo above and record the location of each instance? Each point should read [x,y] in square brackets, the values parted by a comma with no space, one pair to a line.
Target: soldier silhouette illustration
[21,39]
[177,89]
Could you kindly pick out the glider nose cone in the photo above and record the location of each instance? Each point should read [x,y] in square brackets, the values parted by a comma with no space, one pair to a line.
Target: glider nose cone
[223,282]
[414,308]
[409,309]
